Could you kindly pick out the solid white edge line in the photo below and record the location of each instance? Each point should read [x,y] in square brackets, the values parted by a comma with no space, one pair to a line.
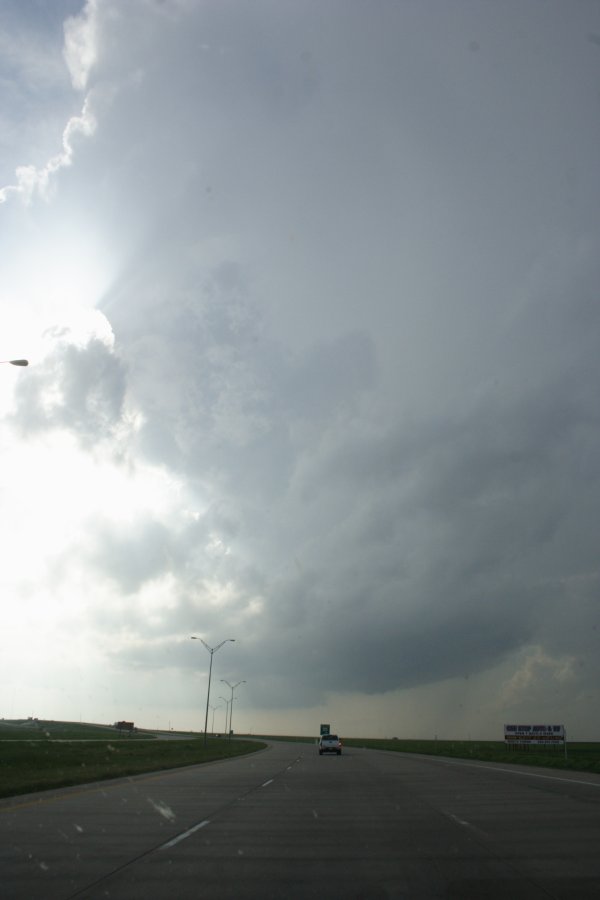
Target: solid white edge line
[270,781]
[184,835]
[473,765]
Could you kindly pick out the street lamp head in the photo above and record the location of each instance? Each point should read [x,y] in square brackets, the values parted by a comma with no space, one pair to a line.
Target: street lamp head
[212,649]
[16,362]
[232,686]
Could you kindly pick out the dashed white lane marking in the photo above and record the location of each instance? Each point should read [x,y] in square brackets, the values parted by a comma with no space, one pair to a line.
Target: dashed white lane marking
[184,835]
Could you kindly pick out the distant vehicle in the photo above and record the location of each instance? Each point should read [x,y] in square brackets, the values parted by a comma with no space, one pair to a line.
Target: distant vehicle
[330,743]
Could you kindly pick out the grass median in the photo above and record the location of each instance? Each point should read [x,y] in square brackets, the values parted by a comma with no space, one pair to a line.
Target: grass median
[37,765]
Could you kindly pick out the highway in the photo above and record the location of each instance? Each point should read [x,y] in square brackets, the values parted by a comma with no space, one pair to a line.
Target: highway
[287,823]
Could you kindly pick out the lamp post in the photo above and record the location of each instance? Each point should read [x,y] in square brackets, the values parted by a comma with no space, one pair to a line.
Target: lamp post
[214,709]
[211,650]
[233,687]
[226,711]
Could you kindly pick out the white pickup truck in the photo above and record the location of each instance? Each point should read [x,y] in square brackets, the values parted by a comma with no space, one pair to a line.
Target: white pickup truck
[330,743]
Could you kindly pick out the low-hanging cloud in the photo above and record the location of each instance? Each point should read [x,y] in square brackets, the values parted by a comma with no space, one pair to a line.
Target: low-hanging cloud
[355,324]
[78,388]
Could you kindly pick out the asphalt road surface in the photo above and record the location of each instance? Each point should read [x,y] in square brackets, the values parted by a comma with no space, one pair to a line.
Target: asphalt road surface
[287,823]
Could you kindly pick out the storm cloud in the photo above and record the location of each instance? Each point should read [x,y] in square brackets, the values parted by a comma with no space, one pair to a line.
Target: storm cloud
[346,325]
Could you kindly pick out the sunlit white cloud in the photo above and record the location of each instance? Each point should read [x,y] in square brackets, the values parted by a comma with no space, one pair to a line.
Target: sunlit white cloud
[80,49]
[32,180]
[79,53]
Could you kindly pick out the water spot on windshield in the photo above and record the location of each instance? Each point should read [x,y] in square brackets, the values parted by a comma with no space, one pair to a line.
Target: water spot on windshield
[163,809]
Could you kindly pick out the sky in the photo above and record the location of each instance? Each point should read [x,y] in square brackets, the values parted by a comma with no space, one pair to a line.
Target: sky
[309,293]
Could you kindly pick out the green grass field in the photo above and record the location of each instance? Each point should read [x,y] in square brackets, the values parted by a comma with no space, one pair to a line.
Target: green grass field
[581,757]
[61,754]
[34,730]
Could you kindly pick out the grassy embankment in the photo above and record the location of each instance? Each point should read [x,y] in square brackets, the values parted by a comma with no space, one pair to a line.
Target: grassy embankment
[581,757]
[58,754]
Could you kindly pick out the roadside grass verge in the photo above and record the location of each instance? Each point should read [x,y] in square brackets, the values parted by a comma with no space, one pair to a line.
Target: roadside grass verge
[581,757]
[28,766]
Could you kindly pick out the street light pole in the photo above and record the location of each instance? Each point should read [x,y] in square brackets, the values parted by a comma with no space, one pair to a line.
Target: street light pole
[226,711]
[211,650]
[214,709]
[233,687]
